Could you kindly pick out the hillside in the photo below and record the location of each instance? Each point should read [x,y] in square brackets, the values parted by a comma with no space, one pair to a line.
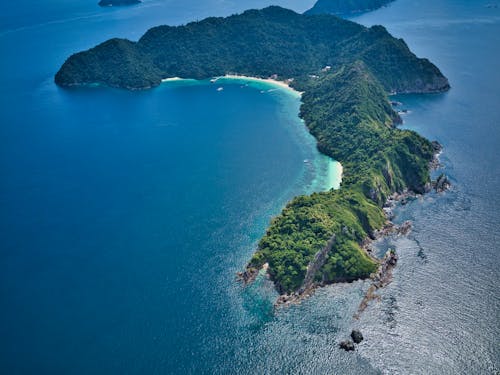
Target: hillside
[345,71]
[261,43]
[348,113]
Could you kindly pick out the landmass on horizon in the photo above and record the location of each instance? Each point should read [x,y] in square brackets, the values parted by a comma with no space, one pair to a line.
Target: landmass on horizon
[108,3]
[345,72]
[346,7]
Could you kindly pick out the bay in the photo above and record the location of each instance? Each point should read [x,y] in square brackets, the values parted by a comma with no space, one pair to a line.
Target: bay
[125,215]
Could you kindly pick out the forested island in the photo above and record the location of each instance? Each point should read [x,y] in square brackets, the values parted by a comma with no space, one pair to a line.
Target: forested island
[108,3]
[346,7]
[345,71]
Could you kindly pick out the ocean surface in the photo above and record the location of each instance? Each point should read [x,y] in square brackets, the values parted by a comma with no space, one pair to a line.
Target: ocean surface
[125,215]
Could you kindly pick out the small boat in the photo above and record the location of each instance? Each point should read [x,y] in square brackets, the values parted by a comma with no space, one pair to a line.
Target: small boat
[306,161]
[220,89]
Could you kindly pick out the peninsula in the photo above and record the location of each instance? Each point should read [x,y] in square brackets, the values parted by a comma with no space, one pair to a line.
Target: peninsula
[345,72]
[346,7]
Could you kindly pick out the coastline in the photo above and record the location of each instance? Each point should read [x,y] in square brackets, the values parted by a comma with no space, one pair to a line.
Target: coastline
[236,77]
[173,79]
[333,172]
[334,169]
[383,275]
[346,111]
[274,82]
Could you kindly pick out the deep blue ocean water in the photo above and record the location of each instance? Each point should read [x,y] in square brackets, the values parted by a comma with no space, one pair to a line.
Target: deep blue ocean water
[125,215]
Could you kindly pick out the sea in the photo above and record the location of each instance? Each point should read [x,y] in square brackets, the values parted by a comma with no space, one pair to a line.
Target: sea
[124,216]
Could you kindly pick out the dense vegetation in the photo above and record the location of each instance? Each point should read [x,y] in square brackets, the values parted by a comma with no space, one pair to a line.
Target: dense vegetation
[306,225]
[348,113]
[346,7]
[261,43]
[345,106]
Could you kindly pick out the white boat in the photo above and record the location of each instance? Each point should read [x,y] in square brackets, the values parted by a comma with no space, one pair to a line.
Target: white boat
[220,89]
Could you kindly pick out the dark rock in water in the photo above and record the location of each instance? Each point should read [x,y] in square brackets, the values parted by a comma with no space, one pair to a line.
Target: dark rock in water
[356,336]
[434,163]
[436,146]
[347,345]
[393,258]
[442,183]
[248,276]
[404,228]
[108,3]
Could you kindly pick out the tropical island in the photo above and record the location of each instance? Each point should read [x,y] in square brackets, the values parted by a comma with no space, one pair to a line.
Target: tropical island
[346,7]
[109,3]
[345,72]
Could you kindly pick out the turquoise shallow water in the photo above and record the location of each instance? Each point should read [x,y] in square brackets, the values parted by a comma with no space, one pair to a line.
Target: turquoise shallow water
[125,215]
[129,213]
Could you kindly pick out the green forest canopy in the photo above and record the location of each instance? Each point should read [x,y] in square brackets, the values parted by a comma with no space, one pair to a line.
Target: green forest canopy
[345,71]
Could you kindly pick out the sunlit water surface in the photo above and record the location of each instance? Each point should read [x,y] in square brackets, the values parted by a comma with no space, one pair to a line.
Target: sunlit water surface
[125,215]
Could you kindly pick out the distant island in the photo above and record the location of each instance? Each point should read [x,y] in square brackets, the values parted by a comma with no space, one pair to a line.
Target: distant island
[345,72]
[108,3]
[346,7]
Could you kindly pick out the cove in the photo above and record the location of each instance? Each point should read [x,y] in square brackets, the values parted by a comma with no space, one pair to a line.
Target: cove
[326,173]
[125,216]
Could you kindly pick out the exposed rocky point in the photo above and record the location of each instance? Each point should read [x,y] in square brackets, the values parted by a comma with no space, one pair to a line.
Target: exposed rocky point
[347,345]
[435,164]
[356,336]
[381,278]
[442,183]
[404,228]
[250,274]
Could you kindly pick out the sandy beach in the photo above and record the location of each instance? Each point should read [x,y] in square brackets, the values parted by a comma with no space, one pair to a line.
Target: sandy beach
[279,84]
[274,82]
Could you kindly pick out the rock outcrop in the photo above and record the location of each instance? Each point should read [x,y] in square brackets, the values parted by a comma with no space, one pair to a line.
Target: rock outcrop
[347,345]
[356,336]
[442,183]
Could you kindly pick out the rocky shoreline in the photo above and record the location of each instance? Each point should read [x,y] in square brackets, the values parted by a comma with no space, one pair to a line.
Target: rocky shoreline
[383,275]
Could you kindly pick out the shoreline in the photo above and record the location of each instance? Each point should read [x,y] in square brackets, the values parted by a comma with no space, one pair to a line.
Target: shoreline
[379,279]
[334,169]
[236,77]
[281,84]
[172,79]
[383,275]
[334,174]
